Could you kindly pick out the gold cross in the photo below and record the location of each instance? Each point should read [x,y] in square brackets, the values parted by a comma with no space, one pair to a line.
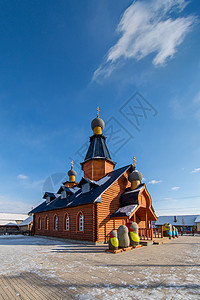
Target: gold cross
[72,163]
[134,159]
[98,110]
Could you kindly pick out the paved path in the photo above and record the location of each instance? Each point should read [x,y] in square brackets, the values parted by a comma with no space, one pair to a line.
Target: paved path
[37,268]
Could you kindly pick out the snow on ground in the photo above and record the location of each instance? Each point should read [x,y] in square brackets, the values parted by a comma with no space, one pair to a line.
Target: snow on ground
[168,271]
[20,253]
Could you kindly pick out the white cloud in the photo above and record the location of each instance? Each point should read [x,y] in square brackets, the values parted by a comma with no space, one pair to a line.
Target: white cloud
[196,170]
[21,176]
[147,27]
[28,183]
[175,188]
[34,185]
[14,206]
[154,181]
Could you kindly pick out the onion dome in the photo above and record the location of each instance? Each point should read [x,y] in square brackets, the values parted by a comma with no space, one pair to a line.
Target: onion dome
[72,173]
[97,124]
[135,175]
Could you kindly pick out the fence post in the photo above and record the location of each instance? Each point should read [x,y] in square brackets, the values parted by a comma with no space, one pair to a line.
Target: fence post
[161,231]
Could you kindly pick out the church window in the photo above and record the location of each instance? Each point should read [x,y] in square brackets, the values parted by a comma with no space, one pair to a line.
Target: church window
[67,222]
[48,199]
[55,223]
[39,223]
[85,188]
[80,222]
[63,195]
[47,223]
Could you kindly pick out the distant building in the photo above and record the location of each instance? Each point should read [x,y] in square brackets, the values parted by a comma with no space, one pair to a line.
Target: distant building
[183,221]
[26,225]
[9,222]
[103,200]
[197,221]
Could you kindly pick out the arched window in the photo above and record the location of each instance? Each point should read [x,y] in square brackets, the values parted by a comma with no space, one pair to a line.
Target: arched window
[39,223]
[80,221]
[66,225]
[55,223]
[47,223]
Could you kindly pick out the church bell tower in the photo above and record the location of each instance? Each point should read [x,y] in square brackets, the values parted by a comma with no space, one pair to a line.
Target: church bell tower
[97,161]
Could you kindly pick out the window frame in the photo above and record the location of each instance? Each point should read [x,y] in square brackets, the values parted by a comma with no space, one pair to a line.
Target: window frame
[80,222]
[46,222]
[65,222]
[39,223]
[55,223]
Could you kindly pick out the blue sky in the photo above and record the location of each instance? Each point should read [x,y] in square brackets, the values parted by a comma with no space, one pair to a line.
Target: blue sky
[138,61]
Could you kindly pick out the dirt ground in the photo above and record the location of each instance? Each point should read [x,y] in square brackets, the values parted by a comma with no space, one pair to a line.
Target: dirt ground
[40,268]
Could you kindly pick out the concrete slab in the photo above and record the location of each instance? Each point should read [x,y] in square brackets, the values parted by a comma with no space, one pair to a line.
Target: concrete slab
[146,243]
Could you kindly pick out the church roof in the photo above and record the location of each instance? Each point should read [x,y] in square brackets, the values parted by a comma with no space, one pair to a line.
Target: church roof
[26,221]
[82,198]
[87,180]
[98,148]
[51,195]
[129,203]
[131,196]
[125,211]
[69,190]
[197,220]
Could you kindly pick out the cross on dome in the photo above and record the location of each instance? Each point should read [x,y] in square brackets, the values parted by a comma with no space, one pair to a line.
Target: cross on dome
[98,110]
[72,172]
[134,159]
[72,163]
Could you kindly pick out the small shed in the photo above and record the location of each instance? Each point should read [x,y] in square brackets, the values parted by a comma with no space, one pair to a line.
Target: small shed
[9,222]
[197,221]
[26,226]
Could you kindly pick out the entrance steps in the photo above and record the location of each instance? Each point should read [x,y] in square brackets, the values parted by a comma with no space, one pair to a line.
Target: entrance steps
[155,241]
[158,241]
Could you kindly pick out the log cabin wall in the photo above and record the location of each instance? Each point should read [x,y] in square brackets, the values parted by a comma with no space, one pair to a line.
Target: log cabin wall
[110,203]
[88,233]
[142,215]
[142,224]
[142,200]
[96,169]
[88,170]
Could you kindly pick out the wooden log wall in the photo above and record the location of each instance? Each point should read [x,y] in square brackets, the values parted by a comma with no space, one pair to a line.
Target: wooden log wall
[110,203]
[88,233]
[96,169]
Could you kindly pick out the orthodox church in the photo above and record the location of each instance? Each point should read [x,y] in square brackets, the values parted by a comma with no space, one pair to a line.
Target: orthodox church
[104,199]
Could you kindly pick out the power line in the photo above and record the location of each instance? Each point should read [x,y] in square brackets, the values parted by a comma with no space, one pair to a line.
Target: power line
[176,198]
[178,208]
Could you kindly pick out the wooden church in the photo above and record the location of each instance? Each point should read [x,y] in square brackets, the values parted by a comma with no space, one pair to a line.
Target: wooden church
[103,200]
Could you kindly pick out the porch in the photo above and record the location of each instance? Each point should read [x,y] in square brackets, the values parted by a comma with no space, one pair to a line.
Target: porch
[150,233]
